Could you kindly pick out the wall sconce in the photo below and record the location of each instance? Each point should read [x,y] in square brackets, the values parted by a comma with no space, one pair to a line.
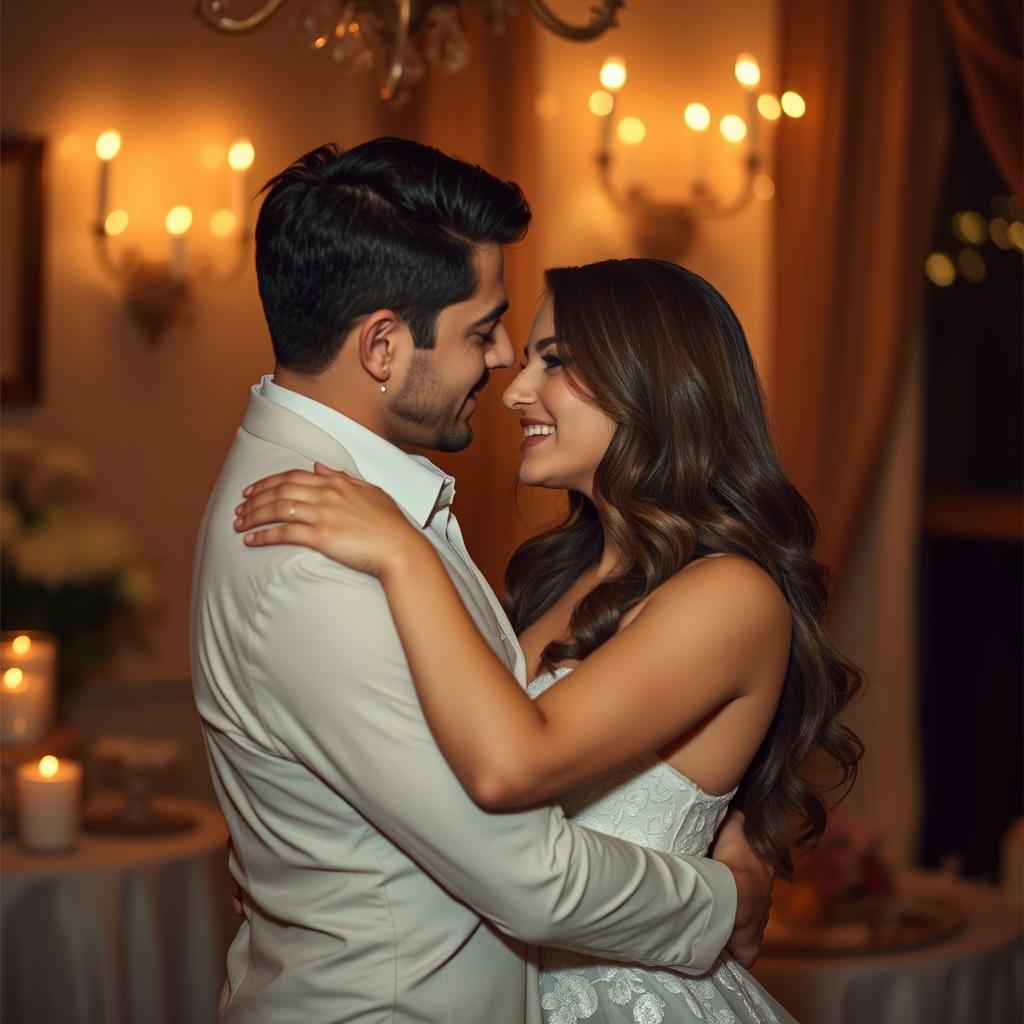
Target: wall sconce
[667,229]
[158,292]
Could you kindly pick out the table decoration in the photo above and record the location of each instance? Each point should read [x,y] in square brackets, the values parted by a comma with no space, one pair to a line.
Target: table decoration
[49,794]
[135,762]
[28,663]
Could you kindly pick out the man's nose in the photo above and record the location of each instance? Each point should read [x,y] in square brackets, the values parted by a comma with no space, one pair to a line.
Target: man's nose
[500,352]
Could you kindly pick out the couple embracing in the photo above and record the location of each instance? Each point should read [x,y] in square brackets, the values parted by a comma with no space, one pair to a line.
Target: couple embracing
[443,809]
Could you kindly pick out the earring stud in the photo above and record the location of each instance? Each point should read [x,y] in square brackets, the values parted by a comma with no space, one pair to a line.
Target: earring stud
[383,388]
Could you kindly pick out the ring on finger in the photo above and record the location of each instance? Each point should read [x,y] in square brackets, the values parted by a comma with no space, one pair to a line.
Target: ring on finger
[291,511]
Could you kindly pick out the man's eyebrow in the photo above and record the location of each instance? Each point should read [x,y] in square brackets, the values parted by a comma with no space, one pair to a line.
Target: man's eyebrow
[494,314]
[540,346]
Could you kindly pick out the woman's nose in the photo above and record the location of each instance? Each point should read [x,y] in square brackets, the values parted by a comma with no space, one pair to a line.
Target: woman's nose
[518,393]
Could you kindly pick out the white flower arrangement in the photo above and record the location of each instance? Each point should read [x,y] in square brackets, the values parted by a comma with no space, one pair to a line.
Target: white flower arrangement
[66,569]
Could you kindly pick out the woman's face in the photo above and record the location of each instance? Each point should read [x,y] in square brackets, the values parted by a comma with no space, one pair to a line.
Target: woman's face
[565,436]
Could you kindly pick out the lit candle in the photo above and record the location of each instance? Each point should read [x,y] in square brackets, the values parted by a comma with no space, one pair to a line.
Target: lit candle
[178,221]
[28,663]
[108,145]
[49,795]
[697,118]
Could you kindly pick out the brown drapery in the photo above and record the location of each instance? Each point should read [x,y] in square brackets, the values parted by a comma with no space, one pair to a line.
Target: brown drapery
[485,114]
[857,180]
[986,37]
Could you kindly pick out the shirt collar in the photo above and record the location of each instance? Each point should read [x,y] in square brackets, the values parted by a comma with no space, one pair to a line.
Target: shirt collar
[420,487]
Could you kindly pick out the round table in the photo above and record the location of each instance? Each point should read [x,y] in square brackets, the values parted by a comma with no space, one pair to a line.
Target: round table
[118,931]
[973,977]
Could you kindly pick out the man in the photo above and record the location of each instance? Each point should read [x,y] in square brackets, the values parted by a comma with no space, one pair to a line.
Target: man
[376,890]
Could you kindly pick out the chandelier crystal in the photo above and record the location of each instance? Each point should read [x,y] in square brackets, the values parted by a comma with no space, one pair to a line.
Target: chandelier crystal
[398,39]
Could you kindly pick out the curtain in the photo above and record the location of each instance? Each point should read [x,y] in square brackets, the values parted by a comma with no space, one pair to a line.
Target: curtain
[986,38]
[857,180]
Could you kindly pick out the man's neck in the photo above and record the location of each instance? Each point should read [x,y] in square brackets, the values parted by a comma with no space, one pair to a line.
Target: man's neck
[320,388]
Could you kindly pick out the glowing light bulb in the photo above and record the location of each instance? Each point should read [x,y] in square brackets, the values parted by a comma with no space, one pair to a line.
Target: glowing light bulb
[48,766]
[601,103]
[970,227]
[13,678]
[115,224]
[21,645]
[108,144]
[793,104]
[748,71]
[940,270]
[178,220]
[241,155]
[697,117]
[769,107]
[613,73]
[733,128]
[632,131]
[222,223]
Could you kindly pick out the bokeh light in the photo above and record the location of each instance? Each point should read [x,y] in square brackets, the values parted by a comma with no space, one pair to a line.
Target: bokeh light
[733,128]
[697,116]
[940,270]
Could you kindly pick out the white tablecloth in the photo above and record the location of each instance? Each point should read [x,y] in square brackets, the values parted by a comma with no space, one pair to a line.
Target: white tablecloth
[121,931]
[974,977]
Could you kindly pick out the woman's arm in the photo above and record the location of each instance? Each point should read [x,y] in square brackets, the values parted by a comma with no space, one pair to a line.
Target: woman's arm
[686,654]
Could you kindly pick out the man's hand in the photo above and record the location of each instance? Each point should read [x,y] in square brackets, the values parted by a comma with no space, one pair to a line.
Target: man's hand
[753,888]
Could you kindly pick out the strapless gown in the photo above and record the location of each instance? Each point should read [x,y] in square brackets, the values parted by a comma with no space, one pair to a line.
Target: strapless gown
[651,804]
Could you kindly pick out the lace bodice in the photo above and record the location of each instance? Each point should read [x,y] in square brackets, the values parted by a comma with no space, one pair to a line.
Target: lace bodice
[650,804]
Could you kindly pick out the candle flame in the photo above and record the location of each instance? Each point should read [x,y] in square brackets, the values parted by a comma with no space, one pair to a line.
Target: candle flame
[49,766]
[21,645]
[13,678]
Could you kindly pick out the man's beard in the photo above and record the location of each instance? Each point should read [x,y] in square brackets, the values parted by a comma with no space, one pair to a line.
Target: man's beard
[424,401]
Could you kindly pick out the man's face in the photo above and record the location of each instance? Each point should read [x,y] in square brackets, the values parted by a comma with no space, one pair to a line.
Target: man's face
[433,406]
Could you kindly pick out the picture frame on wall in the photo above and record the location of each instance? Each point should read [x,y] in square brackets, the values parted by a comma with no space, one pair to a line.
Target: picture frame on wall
[22,171]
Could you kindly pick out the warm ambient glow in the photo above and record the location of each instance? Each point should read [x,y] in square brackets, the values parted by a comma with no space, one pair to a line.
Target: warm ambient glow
[999,232]
[733,128]
[178,220]
[13,678]
[613,73]
[940,270]
[793,104]
[222,223]
[632,131]
[241,155]
[115,223]
[970,227]
[769,107]
[697,117]
[763,186]
[971,265]
[48,766]
[212,156]
[601,103]
[1015,232]
[748,71]
[21,645]
[108,144]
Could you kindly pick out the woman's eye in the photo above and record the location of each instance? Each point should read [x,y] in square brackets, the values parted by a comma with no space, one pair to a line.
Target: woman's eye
[550,362]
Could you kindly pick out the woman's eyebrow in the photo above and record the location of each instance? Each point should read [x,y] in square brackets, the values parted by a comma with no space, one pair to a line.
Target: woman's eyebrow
[540,346]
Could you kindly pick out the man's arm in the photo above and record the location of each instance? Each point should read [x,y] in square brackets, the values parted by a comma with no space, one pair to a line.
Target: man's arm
[334,691]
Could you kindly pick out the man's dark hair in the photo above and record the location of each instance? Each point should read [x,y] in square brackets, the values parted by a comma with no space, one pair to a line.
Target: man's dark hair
[389,224]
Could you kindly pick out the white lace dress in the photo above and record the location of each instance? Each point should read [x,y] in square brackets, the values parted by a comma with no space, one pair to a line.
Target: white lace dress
[653,805]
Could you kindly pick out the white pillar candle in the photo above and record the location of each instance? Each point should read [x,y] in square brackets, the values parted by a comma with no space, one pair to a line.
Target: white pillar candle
[49,796]
[28,664]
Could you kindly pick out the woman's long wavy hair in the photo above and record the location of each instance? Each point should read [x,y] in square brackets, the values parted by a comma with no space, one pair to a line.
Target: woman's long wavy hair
[690,471]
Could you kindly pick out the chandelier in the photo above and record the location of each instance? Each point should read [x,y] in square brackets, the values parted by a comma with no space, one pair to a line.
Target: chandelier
[397,39]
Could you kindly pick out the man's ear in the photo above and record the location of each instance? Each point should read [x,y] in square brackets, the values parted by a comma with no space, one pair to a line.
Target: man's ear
[378,337]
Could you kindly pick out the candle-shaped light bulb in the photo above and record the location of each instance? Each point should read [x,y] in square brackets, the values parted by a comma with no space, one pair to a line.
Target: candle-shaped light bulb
[108,144]
[21,645]
[748,71]
[733,128]
[613,73]
[48,766]
[793,104]
[697,117]
[13,678]
[178,221]
[241,155]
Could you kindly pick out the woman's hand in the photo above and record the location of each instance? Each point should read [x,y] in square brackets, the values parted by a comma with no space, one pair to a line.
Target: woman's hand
[346,519]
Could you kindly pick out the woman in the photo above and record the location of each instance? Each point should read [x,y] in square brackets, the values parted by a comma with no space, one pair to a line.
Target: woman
[674,622]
